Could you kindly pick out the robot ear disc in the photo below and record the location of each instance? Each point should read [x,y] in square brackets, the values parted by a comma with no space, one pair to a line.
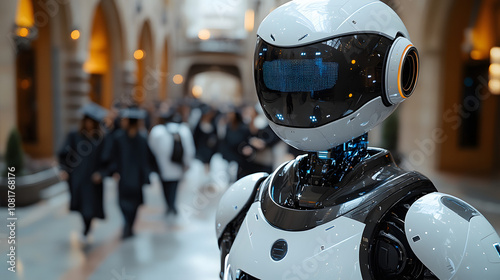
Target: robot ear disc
[401,71]
[409,72]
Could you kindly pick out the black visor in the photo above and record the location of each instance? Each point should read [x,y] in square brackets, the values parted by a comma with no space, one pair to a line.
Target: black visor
[316,84]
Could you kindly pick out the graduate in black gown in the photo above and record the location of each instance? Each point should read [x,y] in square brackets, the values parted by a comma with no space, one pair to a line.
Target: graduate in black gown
[262,139]
[83,167]
[235,140]
[205,136]
[131,165]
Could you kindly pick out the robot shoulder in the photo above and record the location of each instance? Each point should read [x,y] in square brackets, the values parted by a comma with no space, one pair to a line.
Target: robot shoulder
[452,238]
[235,199]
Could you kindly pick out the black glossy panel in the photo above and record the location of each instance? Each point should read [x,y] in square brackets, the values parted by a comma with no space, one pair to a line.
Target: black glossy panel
[312,85]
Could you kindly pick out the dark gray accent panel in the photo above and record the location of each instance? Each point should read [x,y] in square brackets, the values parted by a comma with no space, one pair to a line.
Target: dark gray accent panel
[461,208]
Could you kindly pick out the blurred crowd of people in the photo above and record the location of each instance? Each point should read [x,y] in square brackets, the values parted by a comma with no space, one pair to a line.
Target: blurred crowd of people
[128,143]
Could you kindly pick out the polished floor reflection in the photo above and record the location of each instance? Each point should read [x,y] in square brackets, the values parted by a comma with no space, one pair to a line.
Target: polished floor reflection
[165,247]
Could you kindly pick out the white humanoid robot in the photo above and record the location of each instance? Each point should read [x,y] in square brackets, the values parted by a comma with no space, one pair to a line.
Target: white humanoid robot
[326,72]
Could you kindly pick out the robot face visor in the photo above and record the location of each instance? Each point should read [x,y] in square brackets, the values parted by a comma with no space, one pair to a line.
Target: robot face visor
[312,85]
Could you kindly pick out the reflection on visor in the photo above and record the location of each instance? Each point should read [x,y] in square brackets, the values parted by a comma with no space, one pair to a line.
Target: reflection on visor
[316,84]
[294,75]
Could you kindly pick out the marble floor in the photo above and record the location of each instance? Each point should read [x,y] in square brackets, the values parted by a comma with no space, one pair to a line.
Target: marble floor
[165,247]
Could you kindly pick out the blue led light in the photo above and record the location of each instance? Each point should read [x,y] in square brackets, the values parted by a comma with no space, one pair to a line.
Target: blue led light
[280,117]
[303,53]
[313,118]
[323,155]
[329,228]
[468,82]
[318,53]
[343,158]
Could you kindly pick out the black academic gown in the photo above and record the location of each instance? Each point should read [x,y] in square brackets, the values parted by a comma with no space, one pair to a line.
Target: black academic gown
[131,160]
[231,147]
[250,166]
[81,157]
[205,143]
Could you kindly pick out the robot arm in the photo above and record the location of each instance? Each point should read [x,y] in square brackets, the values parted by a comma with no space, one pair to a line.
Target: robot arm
[232,210]
[235,199]
[452,239]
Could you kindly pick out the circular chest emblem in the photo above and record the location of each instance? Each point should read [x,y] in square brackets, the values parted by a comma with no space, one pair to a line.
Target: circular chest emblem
[279,250]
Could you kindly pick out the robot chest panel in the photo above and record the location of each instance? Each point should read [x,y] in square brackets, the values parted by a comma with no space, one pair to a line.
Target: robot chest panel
[261,251]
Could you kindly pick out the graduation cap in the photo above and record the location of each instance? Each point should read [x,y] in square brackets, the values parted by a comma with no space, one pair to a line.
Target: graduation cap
[133,113]
[94,111]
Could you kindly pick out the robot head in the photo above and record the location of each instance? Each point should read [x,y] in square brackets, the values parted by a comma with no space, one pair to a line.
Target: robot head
[328,71]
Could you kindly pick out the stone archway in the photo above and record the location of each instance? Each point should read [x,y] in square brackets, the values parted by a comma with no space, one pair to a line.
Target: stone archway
[39,34]
[219,72]
[98,64]
[104,61]
[217,88]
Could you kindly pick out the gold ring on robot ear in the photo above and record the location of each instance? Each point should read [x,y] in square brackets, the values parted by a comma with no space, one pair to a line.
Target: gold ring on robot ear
[402,71]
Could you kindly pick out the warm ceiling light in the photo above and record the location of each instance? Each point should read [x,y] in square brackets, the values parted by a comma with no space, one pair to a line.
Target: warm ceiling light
[197,91]
[75,34]
[495,70]
[495,54]
[25,84]
[249,20]
[178,79]
[139,54]
[23,32]
[476,55]
[24,15]
[204,34]
[494,86]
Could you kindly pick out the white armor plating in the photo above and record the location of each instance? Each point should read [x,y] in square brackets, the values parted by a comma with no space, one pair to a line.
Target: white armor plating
[341,130]
[234,199]
[320,253]
[320,19]
[454,241]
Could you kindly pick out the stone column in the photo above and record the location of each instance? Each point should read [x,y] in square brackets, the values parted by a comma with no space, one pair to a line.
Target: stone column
[129,81]
[76,91]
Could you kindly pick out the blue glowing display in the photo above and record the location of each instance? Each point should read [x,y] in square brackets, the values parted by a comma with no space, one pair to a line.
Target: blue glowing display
[300,75]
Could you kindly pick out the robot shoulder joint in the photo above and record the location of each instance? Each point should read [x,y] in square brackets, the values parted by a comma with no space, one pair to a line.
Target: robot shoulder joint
[236,199]
[452,239]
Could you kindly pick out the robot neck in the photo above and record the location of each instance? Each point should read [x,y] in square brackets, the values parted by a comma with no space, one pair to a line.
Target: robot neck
[327,168]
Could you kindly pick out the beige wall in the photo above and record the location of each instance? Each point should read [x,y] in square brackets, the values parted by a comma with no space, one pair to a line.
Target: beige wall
[7,75]
[420,115]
